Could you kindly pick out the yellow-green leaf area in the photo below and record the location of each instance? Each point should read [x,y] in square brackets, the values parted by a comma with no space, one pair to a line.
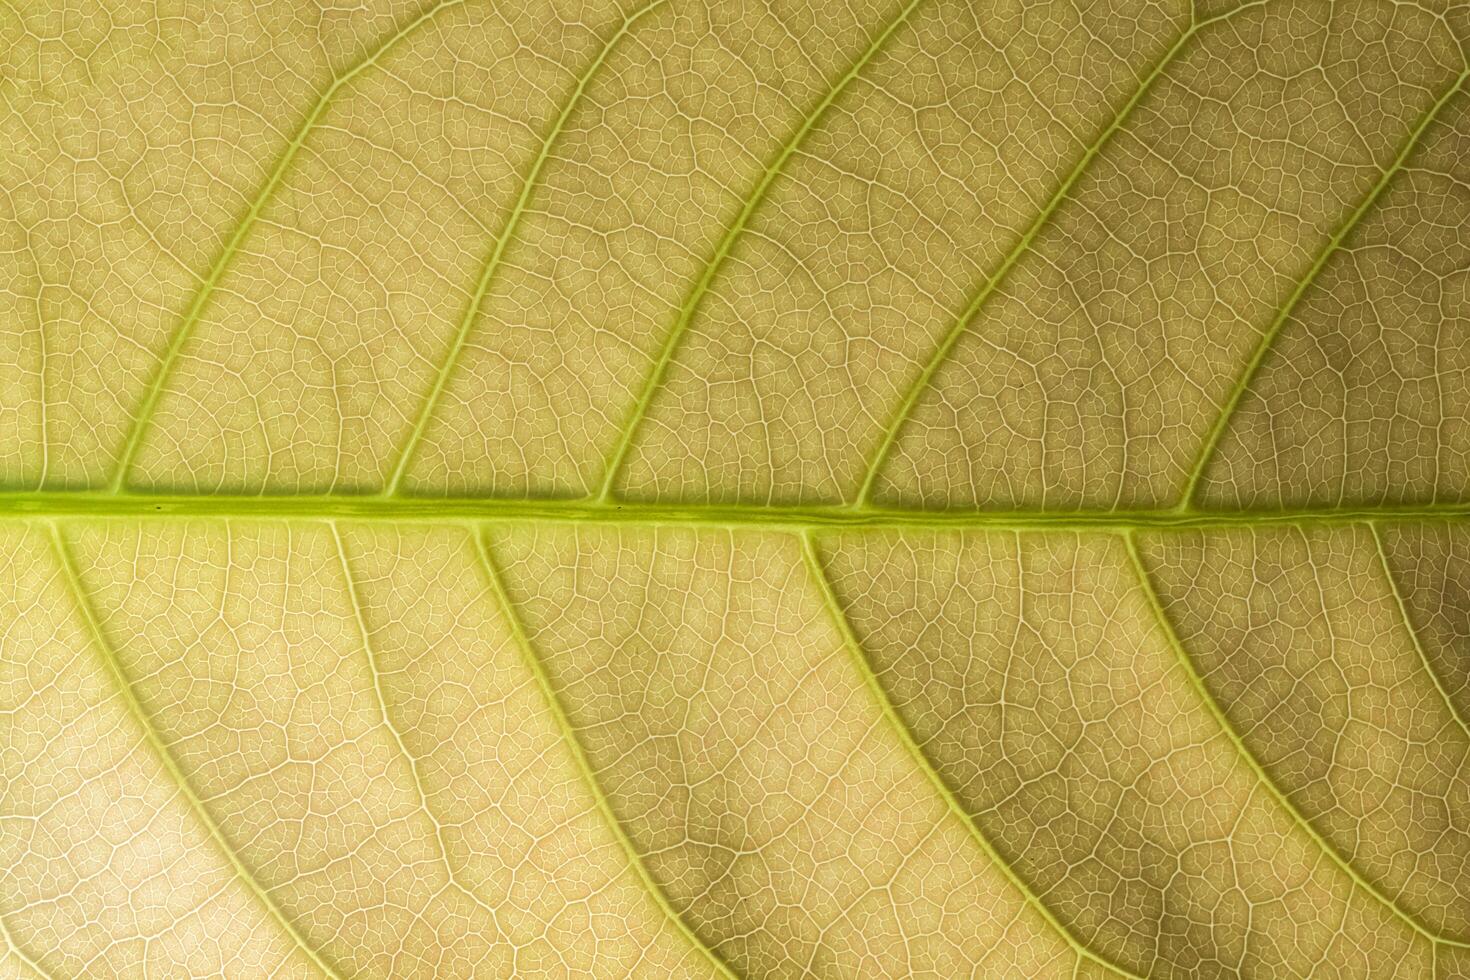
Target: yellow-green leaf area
[767,488]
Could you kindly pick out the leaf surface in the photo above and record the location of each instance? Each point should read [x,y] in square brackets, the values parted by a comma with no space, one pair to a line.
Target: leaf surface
[911,488]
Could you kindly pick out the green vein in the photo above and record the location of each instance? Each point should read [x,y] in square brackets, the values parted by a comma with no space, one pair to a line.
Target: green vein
[1403,609]
[916,752]
[91,504]
[1017,252]
[200,301]
[124,687]
[1156,606]
[690,306]
[497,252]
[1263,346]
[584,765]
[413,766]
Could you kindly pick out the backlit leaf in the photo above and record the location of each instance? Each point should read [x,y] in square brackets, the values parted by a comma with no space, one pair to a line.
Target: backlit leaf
[759,488]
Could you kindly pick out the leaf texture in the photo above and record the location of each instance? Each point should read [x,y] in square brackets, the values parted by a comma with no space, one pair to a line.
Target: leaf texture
[747,489]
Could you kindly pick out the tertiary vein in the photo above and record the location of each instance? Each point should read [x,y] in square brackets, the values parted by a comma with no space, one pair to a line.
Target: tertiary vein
[349,582]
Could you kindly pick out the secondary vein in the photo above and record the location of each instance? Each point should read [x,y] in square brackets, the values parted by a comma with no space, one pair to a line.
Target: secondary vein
[155,741]
[497,252]
[1263,777]
[1023,244]
[921,759]
[20,954]
[584,765]
[1263,346]
[200,300]
[1403,610]
[753,199]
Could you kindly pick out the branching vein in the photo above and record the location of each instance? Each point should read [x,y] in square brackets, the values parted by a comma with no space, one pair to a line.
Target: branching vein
[497,252]
[19,953]
[690,306]
[1403,609]
[584,765]
[1023,244]
[1263,777]
[114,668]
[199,303]
[921,760]
[1263,346]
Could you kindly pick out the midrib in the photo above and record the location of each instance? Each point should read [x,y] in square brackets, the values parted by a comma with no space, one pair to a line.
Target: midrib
[83,504]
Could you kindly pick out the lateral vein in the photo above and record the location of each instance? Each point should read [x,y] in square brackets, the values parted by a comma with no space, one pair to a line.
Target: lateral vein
[20,954]
[135,708]
[1263,347]
[1263,777]
[757,194]
[584,765]
[921,759]
[1403,610]
[200,301]
[1023,244]
[497,252]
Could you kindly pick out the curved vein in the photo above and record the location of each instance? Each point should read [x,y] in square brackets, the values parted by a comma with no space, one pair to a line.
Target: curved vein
[194,312]
[690,306]
[583,764]
[124,687]
[497,252]
[1263,346]
[413,765]
[916,752]
[1017,252]
[1263,777]
[1403,609]
[20,954]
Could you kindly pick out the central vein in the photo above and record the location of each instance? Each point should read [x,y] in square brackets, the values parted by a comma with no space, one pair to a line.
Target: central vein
[85,504]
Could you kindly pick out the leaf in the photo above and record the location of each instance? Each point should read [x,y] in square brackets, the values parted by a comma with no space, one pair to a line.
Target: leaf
[746,489]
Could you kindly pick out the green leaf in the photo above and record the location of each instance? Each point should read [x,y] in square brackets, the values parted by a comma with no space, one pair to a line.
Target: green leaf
[916,488]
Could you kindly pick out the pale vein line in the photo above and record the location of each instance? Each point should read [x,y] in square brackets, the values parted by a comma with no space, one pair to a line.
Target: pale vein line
[409,757]
[583,764]
[1403,609]
[1017,252]
[124,687]
[1156,606]
[42,402]
[20,954]
[197,306]
[1263,346]
[916,752]
[497,252]
[732,234]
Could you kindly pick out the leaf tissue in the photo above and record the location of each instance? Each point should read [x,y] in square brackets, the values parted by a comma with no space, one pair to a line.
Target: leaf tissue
[735,488]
